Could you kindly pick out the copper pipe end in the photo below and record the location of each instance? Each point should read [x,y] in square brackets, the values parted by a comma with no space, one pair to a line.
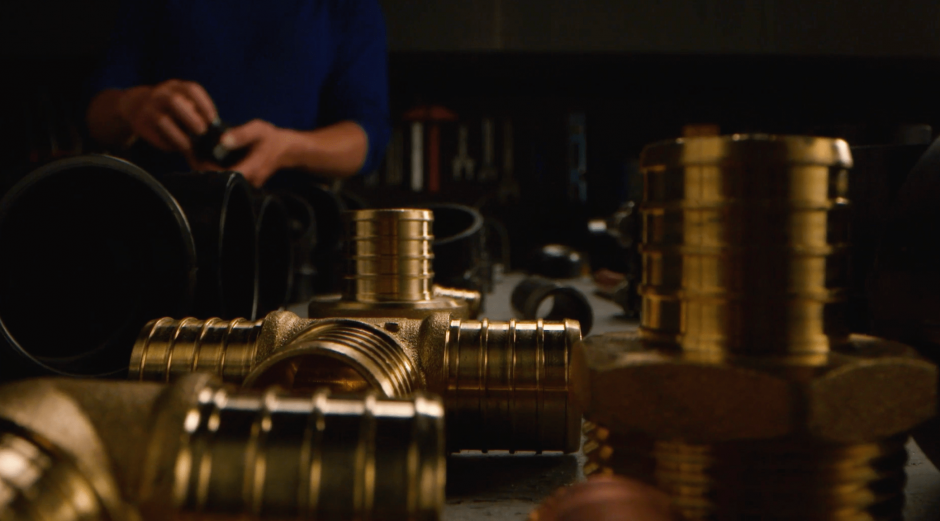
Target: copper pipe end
[605,498]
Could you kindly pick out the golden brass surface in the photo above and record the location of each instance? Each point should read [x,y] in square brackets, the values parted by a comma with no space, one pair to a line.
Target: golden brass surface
[743,395]
[729,222]
[505,384]
[82,450]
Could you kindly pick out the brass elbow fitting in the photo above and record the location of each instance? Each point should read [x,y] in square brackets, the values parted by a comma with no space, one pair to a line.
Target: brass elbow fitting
[504,384]
[743,395]
[77,450]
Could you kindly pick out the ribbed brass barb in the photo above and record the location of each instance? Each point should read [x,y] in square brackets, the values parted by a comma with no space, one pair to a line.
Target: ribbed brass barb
[389,255]
[388,270]
[82,450]
[511,376]
[743,395]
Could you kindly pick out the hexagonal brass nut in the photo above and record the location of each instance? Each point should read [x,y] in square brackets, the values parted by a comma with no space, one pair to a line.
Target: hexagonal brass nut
[868,390]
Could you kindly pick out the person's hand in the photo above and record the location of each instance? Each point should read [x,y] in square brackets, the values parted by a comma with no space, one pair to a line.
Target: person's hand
[268,147]
[167,114]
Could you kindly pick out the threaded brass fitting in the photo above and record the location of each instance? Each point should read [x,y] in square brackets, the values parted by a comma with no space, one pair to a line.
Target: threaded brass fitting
[505,384]
[83,450]
[743,395]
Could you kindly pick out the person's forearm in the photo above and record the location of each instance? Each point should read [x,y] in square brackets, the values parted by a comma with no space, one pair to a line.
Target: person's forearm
[106,124]
[338,150]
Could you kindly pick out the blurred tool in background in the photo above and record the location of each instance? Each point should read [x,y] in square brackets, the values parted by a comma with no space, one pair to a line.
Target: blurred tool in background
[427,152]
[463,166]
[577,158]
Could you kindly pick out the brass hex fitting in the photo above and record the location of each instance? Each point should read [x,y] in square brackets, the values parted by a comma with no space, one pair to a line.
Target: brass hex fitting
[505,384]
[82,450]
[743,395]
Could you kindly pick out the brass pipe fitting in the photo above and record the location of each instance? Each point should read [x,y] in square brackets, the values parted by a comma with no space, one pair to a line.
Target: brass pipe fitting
[505,384]
[389,255]
[471,298]
[389,270]
[84,450]
[743,395]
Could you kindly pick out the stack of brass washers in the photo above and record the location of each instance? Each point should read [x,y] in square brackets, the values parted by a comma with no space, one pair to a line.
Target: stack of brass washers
[743,396]
[504,384]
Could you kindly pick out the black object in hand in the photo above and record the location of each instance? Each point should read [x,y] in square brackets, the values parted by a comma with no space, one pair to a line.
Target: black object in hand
[208,147]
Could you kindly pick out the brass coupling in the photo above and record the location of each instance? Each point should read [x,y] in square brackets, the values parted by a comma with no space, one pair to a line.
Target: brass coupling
[82,450]
[504,384]
[743,395]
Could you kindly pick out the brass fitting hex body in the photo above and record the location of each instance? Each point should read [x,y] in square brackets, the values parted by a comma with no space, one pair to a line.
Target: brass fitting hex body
[505,384]
[743,396]
[82,450]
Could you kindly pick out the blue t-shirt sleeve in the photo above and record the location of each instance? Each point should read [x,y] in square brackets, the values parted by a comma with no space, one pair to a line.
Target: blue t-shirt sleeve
[357,88]
[123,64]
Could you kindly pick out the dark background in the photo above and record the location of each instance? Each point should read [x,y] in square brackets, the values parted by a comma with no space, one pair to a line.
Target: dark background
[639,71]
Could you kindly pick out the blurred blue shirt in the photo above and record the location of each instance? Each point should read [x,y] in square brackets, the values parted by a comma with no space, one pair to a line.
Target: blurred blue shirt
[299,64]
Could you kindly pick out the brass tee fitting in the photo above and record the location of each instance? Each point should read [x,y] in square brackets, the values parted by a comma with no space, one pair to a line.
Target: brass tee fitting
[504,384]
[743,396]
[73,450]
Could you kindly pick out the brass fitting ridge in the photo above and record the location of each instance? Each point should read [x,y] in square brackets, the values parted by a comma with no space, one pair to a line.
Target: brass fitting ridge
[743,395]
[83,450]
[505,384]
